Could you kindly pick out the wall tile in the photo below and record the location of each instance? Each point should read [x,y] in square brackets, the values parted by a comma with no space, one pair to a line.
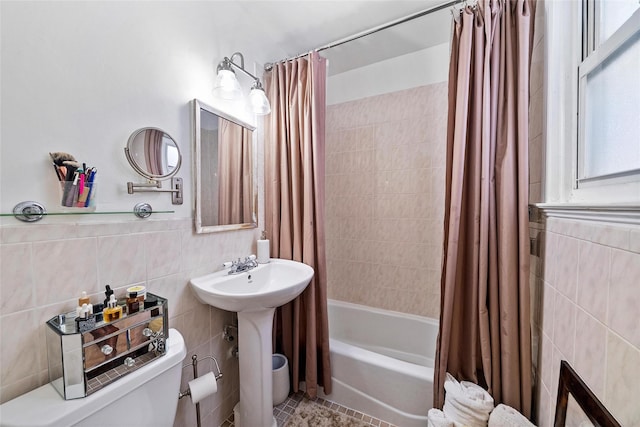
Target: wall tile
[16,281]
[605,347]
[18,355]
[545,406]
[624,295]
[548,309]
[564,326]
[549,255]
[116,251]
[634,240]
[593,279]
[121,260]
[67,267]
[546,355]
[615,236]
[381,236]
[567,267]
[622,385]
[591,341]
[163,251]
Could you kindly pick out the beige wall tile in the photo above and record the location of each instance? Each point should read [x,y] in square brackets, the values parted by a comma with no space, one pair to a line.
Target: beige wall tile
[64,268]
[121,260]
[117,251]
[634,240]
[591,342]
[567,267]
[622,380]
[605,345]
[381,237]
[545,412]
[593,279]
[19,357]
[564,325]
[615,236]
[546,355]
[16,281]
[624,295]
[548,309]
[162,251]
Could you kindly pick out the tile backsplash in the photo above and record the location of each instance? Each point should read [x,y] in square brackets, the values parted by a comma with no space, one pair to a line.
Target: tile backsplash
[385,168]
[586,297]
[45,267]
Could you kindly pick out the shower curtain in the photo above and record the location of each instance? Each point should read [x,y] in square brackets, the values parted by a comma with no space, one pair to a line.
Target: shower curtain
[485,321]
[294,204]
[235,180]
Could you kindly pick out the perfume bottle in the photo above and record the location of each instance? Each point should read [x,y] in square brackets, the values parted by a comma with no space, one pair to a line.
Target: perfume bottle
[113,311]
[133,305]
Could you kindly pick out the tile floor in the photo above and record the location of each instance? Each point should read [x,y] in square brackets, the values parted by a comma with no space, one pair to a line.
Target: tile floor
[286,408]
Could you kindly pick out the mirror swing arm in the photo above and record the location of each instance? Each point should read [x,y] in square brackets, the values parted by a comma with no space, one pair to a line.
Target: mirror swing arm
[152,186]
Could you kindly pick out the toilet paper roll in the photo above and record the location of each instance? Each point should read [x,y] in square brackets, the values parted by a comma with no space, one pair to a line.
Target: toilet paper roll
[263,251]
[202,387]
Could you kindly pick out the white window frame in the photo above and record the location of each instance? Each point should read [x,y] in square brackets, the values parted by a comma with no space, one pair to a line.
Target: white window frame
[564,70]
[594,58]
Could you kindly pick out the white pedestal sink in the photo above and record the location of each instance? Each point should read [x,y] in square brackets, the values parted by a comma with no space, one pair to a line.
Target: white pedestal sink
[255,294]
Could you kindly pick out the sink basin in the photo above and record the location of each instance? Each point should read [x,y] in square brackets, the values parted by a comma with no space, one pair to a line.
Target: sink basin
[255,294]
[266,286]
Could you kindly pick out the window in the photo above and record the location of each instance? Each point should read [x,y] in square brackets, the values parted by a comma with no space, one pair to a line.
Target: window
[608,150]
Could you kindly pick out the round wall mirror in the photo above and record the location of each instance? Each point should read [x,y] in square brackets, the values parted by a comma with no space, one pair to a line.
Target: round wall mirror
[153,153]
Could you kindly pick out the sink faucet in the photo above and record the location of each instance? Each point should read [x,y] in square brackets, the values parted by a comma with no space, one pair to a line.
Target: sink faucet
[238,266]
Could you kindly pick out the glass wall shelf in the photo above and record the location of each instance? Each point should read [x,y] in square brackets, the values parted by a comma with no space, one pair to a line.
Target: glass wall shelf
[30,211]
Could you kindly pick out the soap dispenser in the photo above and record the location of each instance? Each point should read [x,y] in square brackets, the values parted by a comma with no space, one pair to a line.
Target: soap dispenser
[263,249]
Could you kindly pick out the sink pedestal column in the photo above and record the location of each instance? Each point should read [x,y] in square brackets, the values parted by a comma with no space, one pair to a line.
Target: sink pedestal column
[256,388]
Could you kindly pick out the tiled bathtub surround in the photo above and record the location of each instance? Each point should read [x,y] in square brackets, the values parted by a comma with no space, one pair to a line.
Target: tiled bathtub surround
[385,167]
[44,268]
[586,299]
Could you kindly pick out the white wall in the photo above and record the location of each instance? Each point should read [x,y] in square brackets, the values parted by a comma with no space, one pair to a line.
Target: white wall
[80,77]
[415,69]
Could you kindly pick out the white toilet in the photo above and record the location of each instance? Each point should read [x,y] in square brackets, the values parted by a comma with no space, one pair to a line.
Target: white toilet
[146,397]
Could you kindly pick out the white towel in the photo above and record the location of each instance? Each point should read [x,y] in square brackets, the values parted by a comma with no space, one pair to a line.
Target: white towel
[466,403]
[437,418]
[506,416]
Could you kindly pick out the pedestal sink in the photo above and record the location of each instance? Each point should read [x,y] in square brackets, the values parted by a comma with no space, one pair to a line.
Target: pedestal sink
[255,294]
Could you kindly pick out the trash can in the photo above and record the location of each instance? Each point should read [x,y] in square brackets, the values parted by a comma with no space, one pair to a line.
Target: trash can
[280,368]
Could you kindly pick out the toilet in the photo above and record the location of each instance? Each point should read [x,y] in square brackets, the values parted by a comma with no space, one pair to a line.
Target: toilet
[145,397]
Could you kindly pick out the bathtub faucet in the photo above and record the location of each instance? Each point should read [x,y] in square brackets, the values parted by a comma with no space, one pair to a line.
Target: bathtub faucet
[238,266]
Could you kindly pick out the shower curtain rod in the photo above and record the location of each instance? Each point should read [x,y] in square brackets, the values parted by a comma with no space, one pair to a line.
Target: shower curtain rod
[268,66]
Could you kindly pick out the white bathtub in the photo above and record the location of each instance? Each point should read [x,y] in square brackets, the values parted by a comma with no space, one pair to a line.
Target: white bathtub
[382,362]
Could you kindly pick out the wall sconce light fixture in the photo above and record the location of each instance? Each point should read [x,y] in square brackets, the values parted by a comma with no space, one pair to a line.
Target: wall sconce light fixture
[227,86]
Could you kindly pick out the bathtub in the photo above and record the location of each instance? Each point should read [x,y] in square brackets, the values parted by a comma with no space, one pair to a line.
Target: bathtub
[382,362]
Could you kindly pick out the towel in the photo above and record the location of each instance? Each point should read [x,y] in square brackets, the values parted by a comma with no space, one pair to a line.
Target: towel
[466,403]
[437,418]
[506,416]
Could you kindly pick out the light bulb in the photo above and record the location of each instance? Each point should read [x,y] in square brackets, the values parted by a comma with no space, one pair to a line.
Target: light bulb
[259,102]
[227,86]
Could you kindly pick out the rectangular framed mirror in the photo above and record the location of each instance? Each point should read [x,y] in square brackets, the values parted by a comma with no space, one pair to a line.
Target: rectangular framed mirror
[225,169]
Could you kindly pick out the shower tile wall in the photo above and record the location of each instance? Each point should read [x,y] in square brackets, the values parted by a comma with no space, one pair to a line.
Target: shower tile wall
[385,167]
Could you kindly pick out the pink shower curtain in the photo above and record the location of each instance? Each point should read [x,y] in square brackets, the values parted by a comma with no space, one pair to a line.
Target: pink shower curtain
[485,314]
[153,151]
[294,204]
[235,175]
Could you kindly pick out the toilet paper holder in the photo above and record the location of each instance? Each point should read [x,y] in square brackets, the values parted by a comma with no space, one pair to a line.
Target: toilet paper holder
[194,364]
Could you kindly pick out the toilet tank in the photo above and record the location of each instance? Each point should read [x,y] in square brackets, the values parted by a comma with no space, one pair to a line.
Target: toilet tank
[146,397]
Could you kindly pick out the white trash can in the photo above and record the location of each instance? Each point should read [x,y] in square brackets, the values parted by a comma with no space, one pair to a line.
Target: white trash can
[280,368]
